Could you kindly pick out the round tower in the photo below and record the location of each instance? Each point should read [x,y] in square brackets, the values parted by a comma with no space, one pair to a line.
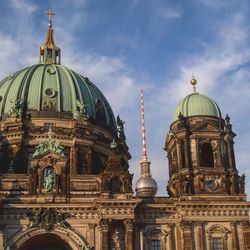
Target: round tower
[200,149]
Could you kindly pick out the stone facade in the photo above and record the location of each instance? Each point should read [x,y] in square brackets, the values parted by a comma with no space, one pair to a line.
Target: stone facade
[206,207]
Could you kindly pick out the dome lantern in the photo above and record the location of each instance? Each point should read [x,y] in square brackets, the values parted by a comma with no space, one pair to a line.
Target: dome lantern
[49,53]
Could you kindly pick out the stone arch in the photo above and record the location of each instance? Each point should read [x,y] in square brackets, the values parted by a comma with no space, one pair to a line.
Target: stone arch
[73,238]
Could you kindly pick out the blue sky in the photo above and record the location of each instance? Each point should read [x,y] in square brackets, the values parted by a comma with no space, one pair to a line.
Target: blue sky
[126,45]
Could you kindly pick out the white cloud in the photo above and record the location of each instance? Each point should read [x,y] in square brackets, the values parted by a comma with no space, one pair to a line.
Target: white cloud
[168,12]
[23,6]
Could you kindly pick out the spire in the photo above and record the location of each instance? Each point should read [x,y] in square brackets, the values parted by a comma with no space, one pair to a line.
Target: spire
[144,145]
[146,186]
[193,82]
[49,53]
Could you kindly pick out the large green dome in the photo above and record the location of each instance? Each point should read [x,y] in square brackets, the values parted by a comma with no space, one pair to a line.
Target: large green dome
[196,104]
[53,90]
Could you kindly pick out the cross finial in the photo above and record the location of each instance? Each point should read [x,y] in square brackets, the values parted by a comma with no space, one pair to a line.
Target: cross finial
[50,14]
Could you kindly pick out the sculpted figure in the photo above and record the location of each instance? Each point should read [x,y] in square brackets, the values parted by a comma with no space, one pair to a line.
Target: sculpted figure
[49,180]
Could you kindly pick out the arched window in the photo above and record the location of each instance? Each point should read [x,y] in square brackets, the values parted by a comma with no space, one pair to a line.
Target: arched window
[156,239]
[206,155]
[217,236]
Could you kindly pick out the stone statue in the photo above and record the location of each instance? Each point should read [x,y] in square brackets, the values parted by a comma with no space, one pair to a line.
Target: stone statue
[47,218]
[116,239]
[81,111]
[120,125]
[49,180]
[49,146]
[16,109]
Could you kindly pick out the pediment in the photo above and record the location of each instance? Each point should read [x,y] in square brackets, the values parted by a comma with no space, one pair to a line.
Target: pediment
[206,127]
[49,155]
[46,147]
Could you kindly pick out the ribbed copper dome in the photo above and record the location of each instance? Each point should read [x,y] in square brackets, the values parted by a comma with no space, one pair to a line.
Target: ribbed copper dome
[53,90]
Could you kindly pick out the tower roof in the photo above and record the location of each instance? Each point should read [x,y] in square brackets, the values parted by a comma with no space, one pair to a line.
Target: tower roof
[196,104]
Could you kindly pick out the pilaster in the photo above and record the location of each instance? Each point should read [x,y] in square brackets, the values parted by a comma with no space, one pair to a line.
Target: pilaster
[186,229]
[198,235]
[129,234]
[91,229]
[104,230]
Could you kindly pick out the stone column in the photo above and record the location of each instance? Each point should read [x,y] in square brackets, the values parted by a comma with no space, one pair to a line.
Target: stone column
[2,227]
[178,237]
[39,182]
[198,235]
[169,242]
[186,150]
[219,153]
[89,160]
[179,156]
[229,153]
[186,235]
[63,183]
[91,229]
[73,160]
[240,229]
[129,234]
[141,239]
[209,242]
[104,230]
[197,149]
[233,244]
[57,184]
[232,186]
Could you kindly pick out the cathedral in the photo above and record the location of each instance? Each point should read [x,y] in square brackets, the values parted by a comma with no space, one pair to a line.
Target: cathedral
[65,182]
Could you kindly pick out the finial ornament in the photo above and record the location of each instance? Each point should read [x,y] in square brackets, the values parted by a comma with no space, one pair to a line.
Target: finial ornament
[193,82]
[49,52]
[144,145]
[50,14]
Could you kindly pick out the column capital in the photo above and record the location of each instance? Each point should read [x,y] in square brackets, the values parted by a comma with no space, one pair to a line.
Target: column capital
[185,225]
[91,226]
[128,224]
[103,226]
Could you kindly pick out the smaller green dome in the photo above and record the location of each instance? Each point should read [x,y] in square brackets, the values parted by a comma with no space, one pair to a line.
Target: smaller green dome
[196,104]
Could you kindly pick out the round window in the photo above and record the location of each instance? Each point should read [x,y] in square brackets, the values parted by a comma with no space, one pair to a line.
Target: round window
[50,92]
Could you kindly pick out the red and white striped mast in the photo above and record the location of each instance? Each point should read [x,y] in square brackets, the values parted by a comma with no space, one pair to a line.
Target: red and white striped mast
[144,145]
[146,186]
[145,164]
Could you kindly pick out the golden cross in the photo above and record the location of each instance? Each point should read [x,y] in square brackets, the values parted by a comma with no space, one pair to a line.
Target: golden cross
[50,14]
